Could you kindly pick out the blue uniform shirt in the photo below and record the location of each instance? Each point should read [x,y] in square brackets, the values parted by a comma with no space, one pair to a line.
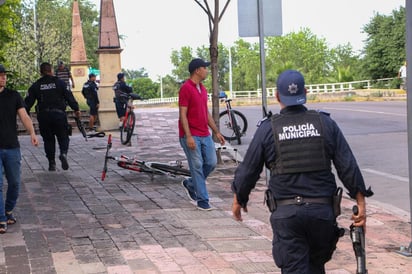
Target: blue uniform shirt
[261,152]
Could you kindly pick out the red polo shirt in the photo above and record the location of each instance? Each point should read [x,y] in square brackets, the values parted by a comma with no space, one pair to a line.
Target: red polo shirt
[197,111]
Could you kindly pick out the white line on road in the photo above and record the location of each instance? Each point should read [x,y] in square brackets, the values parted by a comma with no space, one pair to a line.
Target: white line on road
[387,175]
[368,111]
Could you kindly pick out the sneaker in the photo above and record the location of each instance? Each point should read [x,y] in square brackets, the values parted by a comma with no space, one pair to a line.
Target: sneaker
[52,165]
[204,206]
[3,227]
[63,159]
[190,193]
[11,220]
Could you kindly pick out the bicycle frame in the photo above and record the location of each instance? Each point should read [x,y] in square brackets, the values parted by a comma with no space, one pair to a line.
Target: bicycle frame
[174,169]
[129,108]
[129,121]
[134,164]
[233,123]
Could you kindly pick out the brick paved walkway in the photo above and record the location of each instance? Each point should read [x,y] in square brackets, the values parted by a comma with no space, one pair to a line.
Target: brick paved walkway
[71,222]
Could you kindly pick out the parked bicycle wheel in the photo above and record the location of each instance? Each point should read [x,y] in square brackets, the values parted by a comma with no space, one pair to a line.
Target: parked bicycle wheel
[172,169]
[227,128]
[126,131]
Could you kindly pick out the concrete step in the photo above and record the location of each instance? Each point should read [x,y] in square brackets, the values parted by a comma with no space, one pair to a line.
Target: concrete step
[84,117]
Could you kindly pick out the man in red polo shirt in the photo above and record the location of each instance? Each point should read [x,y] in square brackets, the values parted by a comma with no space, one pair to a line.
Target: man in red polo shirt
[195,138]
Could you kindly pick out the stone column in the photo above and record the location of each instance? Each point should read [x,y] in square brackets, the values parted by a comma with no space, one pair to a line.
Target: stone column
[109,64]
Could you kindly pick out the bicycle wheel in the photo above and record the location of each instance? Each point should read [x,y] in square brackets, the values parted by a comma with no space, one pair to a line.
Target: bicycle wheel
[226,127]
[126,131]
[175,170]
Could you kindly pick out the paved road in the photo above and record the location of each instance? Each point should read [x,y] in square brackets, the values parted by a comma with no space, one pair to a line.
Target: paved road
[377,134]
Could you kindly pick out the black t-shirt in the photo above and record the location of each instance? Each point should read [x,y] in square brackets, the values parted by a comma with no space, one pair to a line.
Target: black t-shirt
[10,102]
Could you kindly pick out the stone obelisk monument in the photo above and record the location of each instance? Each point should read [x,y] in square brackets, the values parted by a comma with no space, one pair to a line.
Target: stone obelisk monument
[78,58]
[109,64]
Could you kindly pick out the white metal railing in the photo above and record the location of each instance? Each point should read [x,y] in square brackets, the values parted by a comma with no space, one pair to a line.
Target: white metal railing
[250,94]
[311,88]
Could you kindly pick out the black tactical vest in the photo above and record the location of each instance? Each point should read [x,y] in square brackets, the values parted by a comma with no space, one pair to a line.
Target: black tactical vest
[299,140]
[50,95]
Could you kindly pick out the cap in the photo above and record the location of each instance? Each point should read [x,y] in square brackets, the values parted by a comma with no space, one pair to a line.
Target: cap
[291,88]
[92,75]
[197,63]
[120,76]
[3,69]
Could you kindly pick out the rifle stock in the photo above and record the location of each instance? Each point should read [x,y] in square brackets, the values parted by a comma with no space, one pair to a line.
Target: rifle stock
[81,127]
[357,235]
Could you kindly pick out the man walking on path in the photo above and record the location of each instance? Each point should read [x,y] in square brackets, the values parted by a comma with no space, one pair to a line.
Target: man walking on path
[11,105]
[51,95]
[195,139]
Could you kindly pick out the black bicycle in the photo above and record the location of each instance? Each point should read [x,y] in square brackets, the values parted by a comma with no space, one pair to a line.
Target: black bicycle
[233,123]
[172,169]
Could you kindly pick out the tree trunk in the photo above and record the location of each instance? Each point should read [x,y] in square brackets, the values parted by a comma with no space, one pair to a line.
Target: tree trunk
[213,50]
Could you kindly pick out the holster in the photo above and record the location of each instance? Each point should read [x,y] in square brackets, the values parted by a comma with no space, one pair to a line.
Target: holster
[269,200]
[337,199]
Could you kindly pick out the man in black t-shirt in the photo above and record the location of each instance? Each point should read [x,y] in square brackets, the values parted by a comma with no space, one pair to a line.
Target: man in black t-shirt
[11,105]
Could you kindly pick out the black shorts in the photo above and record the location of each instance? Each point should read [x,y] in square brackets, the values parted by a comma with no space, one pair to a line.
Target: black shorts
[93,107]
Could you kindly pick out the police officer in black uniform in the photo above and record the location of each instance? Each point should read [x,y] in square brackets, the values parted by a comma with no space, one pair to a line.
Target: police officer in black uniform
[89,92]
[298,146]
[52,96]
[121,92]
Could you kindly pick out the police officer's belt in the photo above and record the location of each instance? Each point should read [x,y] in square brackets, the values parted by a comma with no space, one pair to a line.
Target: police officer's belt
[53,110]
[299,200]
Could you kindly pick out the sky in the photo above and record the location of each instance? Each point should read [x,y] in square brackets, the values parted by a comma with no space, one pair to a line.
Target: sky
[152,29]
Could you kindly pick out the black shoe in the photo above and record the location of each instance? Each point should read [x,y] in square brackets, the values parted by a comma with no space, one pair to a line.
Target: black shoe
[52,165]
[63,159]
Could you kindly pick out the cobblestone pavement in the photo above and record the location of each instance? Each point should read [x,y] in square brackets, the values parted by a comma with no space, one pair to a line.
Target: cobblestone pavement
[72,222]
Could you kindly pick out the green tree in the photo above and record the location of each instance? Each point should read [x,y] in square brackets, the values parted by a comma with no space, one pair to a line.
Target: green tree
[145,87]
[345,64]
[44,35]
[170,86]
[303,51]
[245,65]
[180,60]
[10,20]
[385,48]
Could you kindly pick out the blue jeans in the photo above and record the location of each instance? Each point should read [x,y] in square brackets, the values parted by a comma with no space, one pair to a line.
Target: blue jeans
[202,161]
[10,163]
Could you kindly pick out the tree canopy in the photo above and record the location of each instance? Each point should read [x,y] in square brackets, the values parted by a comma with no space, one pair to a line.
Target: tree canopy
[32,34]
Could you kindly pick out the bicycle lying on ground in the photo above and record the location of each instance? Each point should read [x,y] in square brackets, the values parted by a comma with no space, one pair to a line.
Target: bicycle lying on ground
[233,123]
[129,121]
[155,168]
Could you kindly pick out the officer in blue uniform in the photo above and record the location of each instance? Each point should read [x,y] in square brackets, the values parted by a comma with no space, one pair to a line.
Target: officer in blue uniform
[298,146]
[121,92]
[51,95]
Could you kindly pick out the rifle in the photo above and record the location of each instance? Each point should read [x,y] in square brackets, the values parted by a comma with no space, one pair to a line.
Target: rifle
[357,235]
[81,127]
